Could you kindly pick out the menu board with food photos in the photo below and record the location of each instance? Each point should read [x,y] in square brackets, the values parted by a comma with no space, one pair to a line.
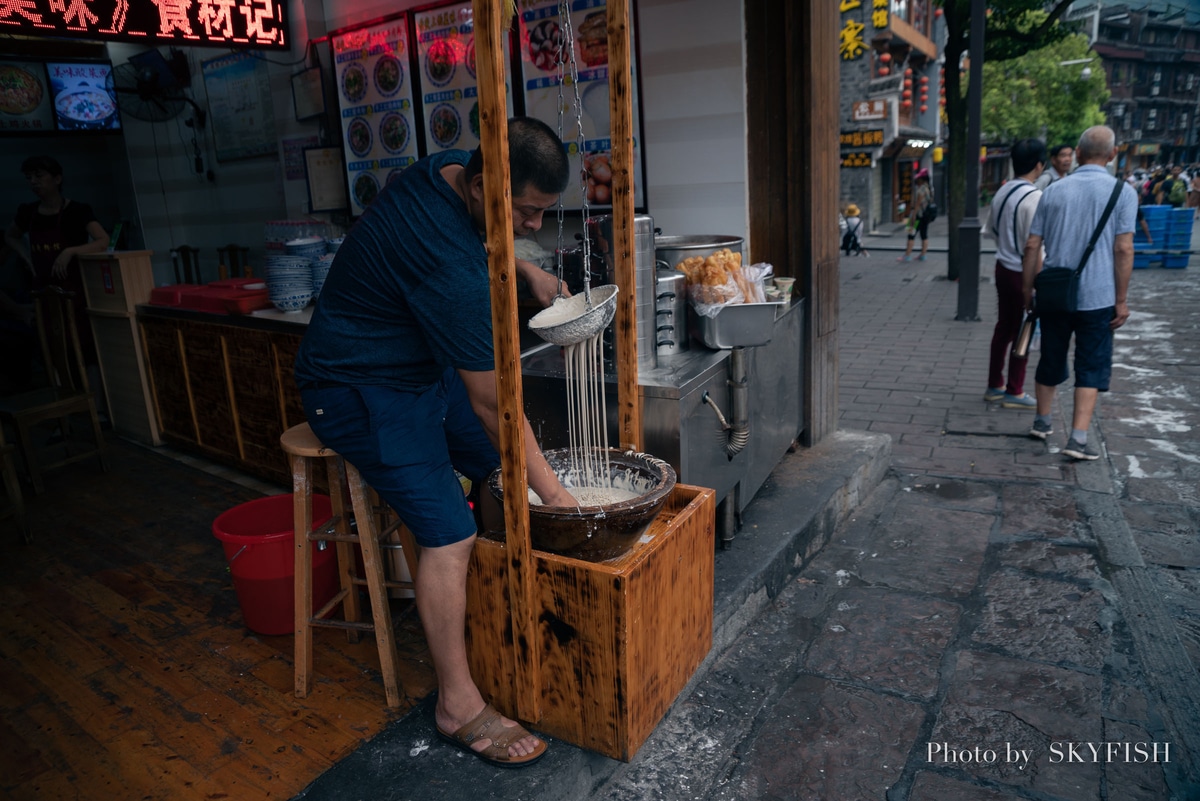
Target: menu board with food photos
[375,95]
[541,37]
[84,99]
[25,101]
[449,87]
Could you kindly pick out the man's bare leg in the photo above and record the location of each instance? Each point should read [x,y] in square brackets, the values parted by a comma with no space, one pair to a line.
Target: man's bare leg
[442,603]
[1085,405]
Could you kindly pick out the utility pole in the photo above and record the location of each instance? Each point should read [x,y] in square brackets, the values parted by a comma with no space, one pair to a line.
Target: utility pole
[969,228]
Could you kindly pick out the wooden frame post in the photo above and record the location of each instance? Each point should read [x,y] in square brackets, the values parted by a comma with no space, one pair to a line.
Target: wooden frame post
[490,21]
[620,92]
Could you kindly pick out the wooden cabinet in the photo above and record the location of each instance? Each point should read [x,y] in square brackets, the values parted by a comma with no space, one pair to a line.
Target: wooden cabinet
[114,284]
[223,386]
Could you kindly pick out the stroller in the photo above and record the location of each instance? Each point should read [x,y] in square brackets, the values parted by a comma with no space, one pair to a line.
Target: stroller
[851,234]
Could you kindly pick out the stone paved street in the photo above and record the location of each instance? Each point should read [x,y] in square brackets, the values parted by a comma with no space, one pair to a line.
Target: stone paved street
[994,611]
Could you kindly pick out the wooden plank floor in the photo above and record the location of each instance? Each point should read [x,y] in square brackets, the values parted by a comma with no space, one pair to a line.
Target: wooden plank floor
[125,669]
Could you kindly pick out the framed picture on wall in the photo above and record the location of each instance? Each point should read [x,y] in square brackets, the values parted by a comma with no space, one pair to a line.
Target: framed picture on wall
[308,93]
[326,176]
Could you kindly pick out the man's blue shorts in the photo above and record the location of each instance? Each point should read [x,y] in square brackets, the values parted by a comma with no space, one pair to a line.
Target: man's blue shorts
[407,445]
[1093,348]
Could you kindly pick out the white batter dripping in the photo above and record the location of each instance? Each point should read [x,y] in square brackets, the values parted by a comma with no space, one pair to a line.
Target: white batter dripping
[587,418]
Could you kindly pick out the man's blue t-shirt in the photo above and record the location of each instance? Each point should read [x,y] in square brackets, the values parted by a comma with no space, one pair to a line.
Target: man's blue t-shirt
[407,295]
[1065,219]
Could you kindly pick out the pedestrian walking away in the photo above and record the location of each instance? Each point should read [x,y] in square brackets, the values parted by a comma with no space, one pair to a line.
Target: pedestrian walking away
[1085,222]
[1012,213]
[852,235]
[921,212]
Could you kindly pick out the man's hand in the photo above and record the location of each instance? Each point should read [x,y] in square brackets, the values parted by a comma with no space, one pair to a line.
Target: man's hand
[60,265]
[1120,315]
[542,285]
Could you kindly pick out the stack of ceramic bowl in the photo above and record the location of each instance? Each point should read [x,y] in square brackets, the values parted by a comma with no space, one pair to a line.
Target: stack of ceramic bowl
[309,247]
[289,282]
[331,245]
[320,270]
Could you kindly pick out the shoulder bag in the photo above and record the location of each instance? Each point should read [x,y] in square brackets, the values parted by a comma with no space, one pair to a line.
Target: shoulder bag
[1057,288]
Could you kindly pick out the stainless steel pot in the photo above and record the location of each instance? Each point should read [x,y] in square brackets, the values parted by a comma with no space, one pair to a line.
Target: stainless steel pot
[670,250]
[600,229]
[671,326]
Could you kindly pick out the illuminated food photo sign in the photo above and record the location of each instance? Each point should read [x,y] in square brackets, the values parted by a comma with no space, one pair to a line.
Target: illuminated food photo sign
[220,23]
[83,98]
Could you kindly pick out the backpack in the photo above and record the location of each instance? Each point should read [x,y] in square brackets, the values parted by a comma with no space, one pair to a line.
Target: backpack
[1178,195]
[850,239]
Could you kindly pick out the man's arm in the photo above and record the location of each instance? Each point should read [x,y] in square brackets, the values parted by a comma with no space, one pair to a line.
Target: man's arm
[1031,265]
[481,389]
[543,285]
[1122,270]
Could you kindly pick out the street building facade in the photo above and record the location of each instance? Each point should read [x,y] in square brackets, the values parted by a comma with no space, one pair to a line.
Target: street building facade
[890,106]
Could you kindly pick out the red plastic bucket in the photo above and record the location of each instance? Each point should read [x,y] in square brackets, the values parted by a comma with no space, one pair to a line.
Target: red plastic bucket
[258,541]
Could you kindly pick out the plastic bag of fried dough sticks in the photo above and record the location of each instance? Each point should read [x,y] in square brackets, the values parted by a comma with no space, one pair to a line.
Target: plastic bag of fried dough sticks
[720,280]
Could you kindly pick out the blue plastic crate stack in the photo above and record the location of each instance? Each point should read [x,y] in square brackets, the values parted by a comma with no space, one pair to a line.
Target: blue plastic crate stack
[1147,253]
[1179,238]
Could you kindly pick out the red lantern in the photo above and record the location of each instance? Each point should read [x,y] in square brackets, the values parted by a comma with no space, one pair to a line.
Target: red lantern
[937,12]
[884,70]
[906,94]
[942,102]
[908,72]
[924,79]
[924,108]
[885,57]
[906,104]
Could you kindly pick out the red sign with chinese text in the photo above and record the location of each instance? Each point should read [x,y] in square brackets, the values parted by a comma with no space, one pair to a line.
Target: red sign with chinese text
[197,23]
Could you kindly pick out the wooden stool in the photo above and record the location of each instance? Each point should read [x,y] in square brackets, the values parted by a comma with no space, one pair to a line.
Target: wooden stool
[375,523]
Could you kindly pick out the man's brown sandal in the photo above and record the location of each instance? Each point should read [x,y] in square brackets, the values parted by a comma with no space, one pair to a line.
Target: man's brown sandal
[487,726]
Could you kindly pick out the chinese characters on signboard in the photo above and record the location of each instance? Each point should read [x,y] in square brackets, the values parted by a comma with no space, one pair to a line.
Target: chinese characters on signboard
[861,159]
[869,138]
[223,23]
[879,14]
[864,110]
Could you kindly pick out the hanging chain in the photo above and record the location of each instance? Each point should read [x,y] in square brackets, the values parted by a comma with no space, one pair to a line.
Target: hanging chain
[558,252]
[568,44]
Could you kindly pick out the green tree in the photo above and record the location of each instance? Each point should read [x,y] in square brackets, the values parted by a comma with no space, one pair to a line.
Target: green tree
[1034,95]
[1009,34]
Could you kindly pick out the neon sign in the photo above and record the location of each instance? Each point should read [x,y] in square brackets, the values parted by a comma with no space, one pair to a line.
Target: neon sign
[219,23]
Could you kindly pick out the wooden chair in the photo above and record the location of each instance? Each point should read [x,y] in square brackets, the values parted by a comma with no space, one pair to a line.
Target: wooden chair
[12,486]
[233,261]
[68,392]
[303,449]
[186,262]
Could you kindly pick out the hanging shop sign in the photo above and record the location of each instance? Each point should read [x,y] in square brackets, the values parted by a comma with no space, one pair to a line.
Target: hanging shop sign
[581,105]
[867,110]
[872,137]
[1145,150]
[375,99]
[258,24]
[859,159]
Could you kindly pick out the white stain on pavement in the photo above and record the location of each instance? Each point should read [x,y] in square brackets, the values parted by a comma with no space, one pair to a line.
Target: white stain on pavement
[1164,421]
[1136,471]
[1140,372]
[1170,447]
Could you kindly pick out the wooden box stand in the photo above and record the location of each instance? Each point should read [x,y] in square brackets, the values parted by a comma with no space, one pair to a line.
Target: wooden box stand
[618,640]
